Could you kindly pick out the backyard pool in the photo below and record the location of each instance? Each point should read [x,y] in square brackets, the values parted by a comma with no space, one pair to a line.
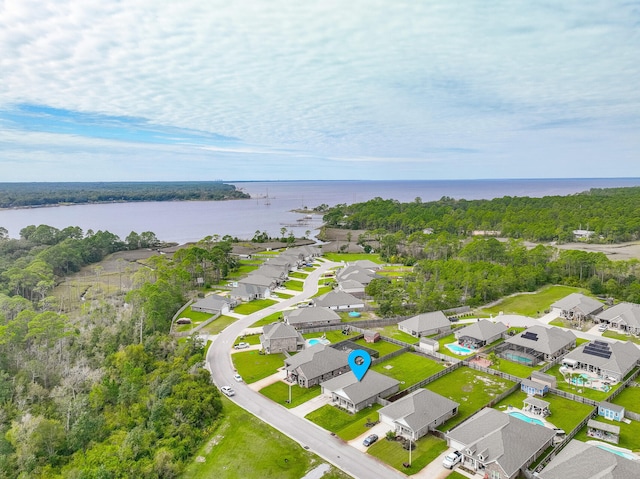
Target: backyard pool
[456,348]
[522,417]
[618,452]
[314,341]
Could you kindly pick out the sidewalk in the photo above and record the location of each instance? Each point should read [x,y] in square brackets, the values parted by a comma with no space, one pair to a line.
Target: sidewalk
[269,380]
[311,405]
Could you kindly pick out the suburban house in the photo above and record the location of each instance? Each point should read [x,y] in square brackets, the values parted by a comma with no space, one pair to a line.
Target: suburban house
[497,444]
[580,460]
[316,364]
[356,273]
[286,263]
[352,287]
[280,337]
[249,292]
[279,273]
[577,307]
[260,281]
[348,393]
[536,344]
[425,324]
[339,301]
[622,316]
[311,317]
[481,333]
[414,415]
[611,411]
[367,264]
[214,304]
[611,361]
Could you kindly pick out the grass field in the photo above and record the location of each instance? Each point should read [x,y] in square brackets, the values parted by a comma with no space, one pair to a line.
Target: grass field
[323,290]
[253,306]
[282,295]
[565,414]
[294,285]
[268,319]
[218,324]
[279,393]
[515,369]
[408,368]
[246,266]
[534,304]
[629,398]
[392,331]
[242,446]
[382,347]
[334,336]
[253,366]
[471,389]
[250,338]
[298,275]
[391,452]
[621,336]
[346,426]
[348,257]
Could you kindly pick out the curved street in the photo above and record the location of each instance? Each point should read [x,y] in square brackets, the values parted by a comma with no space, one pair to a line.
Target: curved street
[330,448]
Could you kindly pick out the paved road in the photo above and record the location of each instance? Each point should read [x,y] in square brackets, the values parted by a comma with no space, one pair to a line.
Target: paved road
[316,439]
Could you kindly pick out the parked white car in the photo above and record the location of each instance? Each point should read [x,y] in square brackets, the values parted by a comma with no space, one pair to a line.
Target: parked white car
[241,346]
[603,327]
[452,459]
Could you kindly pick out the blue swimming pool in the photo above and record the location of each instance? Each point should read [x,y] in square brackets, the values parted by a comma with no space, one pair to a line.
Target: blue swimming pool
[314,341]
[632,457]
[522,417]
[456,348]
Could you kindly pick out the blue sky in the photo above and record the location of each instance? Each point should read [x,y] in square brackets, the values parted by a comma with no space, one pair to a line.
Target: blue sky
[364,89]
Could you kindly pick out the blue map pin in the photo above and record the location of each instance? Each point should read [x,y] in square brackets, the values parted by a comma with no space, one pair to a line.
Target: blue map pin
[359,370]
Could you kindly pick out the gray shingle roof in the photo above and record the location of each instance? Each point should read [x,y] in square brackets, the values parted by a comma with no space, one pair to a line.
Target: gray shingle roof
[623,357]
[426,321]
[337,298]
[257,280]
[626,313]
[317,360]
[507,440]
[212,302]
[280,331]
[310,315]
[579,460]
[482,330]
[578,302]
[371,385]
[550,340]
[611,406]
[603,426]
[419,409]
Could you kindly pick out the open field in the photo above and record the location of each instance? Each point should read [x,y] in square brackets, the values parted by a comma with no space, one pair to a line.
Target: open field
[515,369]
[346,426]
[408,368]
[629,398]
[382,347]
[294,285]
[532,304]
[253,306]
[349,257]
[268,319]
[471,389]
[426,450]
[392,331]
[242,446]
[279,393]
[253,366]
[218,325]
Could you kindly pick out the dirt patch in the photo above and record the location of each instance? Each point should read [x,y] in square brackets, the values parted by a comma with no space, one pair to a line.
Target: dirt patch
[622,251]
[467,388]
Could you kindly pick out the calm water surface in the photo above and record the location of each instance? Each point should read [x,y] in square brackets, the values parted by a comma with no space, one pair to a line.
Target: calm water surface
[190,221]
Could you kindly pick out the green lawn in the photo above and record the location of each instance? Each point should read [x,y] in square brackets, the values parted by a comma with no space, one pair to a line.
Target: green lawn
[279,393]
[195,316]
[391,452]
[408,368]
[579,390]
[348,257]
[242,446]
[250,338]
[246,267]
[629,433]
[515,369]
[298,274]
[344,316]
[218,325]
[621,336]
[294,285]
[253,306]
[456,475]
[471,389]
[565,413]
[392,331]
[535,304]
[629,398]
[334,336]
[282,295]
[382,347]
[272,318]
[253,366]
[346,426]
[564,323]
[323,290]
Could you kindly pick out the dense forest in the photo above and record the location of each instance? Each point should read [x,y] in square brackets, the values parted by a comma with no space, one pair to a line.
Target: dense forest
[104,391]
[612,214]
[13,195]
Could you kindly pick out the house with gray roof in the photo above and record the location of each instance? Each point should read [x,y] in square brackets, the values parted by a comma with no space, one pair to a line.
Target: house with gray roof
[279,273]
[414,415]
[286,262]
[249,292]
[355,273]
[613,412]
[280,337]
[425,324]
[339,301]
[537,343]
[255,279]
[311,317]
[611,361]
[481,333]
[316,364]
[348,393]
[577,307]
[352,287]
[214,304]
[622,316]
[499,445]
[579,460]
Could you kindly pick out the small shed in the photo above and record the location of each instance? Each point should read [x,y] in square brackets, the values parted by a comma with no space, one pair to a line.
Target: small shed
[543,378]
[536,406]
[611,411]
[371,336]
[603,431]
[428,345]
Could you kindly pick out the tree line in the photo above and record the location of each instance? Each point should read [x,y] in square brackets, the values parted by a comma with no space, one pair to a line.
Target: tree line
[14,195]
[612,214]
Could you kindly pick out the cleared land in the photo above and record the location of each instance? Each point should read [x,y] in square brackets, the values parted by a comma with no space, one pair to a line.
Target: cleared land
[218,325]
[630,399]
[532,304]
[279,393]
[391,452]
[408,368]
[253,366]
[253,306]
[346,426]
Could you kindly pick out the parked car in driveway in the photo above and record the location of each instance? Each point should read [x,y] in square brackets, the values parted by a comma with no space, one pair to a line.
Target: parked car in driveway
[452,459]
[227,391]
[241,346]
[370,439]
